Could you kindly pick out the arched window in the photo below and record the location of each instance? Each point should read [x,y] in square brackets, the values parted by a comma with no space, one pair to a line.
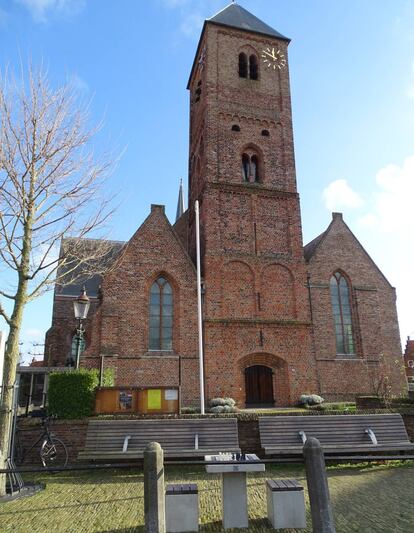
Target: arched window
[341,307]
[235,127]
[250,168]
[253,68]
[77,343]
[160,315]
[242,65]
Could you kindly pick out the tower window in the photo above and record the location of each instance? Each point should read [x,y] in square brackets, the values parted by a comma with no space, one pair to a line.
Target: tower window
[160,315]
[253,68]
[250,168]
[341,308]
[265,133]
[242,65]
[235,127]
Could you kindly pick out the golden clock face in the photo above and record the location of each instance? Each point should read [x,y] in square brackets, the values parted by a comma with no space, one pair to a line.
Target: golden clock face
[273,58]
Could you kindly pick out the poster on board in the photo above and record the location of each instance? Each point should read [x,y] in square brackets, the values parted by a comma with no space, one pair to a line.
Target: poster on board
[154,398]
[171,394]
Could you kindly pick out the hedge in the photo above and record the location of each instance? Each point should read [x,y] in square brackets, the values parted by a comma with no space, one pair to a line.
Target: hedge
[72,394]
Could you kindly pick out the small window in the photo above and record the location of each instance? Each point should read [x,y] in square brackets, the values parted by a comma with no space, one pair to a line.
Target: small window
[235,127]
[265,133]
[253,68]
[242,65]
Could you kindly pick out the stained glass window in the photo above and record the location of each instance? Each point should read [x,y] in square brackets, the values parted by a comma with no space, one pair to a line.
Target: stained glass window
[341,308]
[160,315]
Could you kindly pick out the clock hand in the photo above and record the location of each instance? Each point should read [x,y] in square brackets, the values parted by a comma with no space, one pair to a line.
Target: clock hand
[267,53]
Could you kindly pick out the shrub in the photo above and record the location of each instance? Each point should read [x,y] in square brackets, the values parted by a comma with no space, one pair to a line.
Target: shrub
[310,399]
[72,393]
[223,405]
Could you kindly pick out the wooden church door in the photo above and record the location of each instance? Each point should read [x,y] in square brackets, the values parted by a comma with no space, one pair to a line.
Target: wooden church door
[259,385]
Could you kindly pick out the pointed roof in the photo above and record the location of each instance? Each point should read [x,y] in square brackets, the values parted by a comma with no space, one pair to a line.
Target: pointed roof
[312,247]
[180,203]
[236,16]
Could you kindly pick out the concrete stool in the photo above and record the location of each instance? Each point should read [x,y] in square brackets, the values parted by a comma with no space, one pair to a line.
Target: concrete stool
[285,504]
[181,507]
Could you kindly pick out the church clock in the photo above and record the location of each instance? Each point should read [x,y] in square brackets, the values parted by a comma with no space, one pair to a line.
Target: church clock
[273,58]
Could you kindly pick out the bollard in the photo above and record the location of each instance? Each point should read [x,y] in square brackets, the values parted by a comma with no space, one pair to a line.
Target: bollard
[322,518]
[154,497]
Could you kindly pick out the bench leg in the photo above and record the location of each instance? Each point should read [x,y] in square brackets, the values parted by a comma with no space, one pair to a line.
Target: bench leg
[234,500]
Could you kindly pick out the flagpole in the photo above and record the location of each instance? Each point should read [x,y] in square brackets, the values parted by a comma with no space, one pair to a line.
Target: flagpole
[199,310]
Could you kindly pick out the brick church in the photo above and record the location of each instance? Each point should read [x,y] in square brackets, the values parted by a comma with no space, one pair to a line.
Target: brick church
[279,319]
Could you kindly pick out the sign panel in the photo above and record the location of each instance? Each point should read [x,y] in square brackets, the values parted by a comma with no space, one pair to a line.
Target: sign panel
[154,398]
[171,394]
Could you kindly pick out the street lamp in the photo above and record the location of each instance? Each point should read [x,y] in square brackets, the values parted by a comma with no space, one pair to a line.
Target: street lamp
[81,308]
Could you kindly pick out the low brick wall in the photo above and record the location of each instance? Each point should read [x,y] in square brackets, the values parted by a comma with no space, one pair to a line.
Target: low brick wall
[73,434]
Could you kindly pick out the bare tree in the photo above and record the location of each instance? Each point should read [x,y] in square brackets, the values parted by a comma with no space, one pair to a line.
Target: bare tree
[50,184]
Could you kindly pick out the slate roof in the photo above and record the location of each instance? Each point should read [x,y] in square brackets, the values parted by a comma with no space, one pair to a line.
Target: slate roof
[93,282]
[310,248]
[236,16]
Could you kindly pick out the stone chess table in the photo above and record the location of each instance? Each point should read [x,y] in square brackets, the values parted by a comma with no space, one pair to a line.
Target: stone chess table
[233,485]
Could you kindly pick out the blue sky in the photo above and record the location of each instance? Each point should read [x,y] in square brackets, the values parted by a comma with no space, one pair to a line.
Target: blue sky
[352,80]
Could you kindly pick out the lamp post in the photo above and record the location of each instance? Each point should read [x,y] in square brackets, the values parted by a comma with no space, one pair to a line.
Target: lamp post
[81,308]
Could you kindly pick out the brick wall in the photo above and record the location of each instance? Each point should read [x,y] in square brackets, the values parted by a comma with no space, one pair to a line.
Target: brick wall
[375,323]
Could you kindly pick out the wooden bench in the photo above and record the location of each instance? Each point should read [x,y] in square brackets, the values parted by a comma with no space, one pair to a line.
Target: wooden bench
[338,434]
[126,439]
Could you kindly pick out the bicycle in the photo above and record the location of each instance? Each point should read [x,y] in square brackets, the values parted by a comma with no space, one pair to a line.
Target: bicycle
[53,452]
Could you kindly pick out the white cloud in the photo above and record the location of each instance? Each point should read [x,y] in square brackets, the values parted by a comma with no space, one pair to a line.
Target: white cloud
[338,195]
[388,228]
[393,200]
[42,9]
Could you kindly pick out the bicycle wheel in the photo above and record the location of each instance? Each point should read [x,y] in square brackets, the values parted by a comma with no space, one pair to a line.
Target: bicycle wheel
[53,453]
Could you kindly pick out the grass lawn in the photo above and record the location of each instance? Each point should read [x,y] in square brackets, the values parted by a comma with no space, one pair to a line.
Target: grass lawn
[365,499]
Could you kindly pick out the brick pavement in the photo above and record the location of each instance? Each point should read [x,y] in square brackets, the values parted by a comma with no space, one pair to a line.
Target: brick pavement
[367,500]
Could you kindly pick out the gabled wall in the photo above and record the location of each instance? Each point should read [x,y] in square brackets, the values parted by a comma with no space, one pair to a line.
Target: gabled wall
[375,322]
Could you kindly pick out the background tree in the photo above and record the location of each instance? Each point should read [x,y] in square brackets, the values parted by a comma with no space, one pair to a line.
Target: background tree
[50,184]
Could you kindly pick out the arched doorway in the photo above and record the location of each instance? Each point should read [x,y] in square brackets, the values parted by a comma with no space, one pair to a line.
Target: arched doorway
[259,386]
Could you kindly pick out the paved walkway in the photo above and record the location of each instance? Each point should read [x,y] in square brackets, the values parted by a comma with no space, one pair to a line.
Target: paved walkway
[365,500]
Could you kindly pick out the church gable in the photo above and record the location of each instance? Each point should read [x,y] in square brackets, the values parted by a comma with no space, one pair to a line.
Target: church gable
[153,260]
[338,248]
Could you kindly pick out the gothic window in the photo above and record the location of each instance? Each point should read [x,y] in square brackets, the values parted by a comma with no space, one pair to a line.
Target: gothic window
[253,68]
[242,65]
[76,344]
[246,167]
[160,315]
[250,168]
[341,307]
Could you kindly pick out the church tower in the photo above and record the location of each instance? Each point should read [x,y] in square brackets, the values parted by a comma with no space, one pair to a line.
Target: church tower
[257,329]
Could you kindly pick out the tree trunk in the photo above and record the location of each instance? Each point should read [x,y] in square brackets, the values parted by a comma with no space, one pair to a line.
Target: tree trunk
[11,360]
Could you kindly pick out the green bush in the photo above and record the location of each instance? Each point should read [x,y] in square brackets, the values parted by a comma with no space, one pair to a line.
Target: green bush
[72,393]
